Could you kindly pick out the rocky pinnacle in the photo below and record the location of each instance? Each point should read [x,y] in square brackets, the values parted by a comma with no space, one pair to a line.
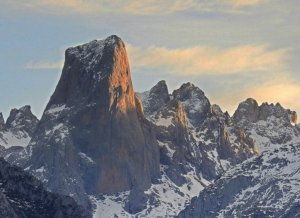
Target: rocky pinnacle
[91,138]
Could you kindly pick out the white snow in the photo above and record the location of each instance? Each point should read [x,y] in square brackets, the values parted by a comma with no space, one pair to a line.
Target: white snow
[170,150]
[225,164]
[172,198]
[55,109]
[10,139]
[282,177]
[40,170]
[164,121]
[270,132]
[86,158]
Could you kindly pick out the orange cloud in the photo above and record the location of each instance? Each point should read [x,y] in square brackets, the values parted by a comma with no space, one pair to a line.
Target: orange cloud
[238,3]
[150,7]
[287,94]
[205,60]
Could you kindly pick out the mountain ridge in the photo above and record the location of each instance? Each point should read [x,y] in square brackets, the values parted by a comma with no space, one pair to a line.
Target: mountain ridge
[143,154]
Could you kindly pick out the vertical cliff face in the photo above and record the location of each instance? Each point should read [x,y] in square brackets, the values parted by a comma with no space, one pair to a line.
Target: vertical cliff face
[90,138]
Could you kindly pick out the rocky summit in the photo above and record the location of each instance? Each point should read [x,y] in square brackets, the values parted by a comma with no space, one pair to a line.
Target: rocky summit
[268,124]
[18,129]
[155,98]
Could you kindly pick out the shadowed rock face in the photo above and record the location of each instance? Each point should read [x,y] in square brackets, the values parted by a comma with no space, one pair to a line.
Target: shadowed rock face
[247,111]
[2,123]
[90,138]
[155,98]
[195,103]
[23,196]
[22,120]
[171,131]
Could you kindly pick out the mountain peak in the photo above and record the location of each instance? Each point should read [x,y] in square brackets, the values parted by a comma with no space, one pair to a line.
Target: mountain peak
[187,84]
[95,45]
[196,104]
[107,147]
[1,119]
[91,66]
[247,111]
[22,119]
[25,108]
[154,99]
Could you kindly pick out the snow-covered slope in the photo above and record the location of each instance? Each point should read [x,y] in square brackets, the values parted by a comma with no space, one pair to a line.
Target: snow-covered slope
[163,199]
[269,125]
[266,185]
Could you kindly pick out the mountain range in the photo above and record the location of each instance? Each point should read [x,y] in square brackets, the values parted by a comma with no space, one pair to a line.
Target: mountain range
[119,153]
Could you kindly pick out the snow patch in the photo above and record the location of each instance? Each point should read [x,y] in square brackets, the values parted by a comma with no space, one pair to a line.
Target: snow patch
[86,158]
[55,109]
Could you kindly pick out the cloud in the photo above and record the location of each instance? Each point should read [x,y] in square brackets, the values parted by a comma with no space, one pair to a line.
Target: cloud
[239,3]
[285,92]
[149,7]
[206,60]
[158,6]
[44,65]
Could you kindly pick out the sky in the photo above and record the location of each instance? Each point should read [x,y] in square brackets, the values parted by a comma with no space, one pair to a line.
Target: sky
[230,49]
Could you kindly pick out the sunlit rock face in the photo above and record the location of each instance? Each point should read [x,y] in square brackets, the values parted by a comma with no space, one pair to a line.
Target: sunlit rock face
[268,124]
[92,138]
